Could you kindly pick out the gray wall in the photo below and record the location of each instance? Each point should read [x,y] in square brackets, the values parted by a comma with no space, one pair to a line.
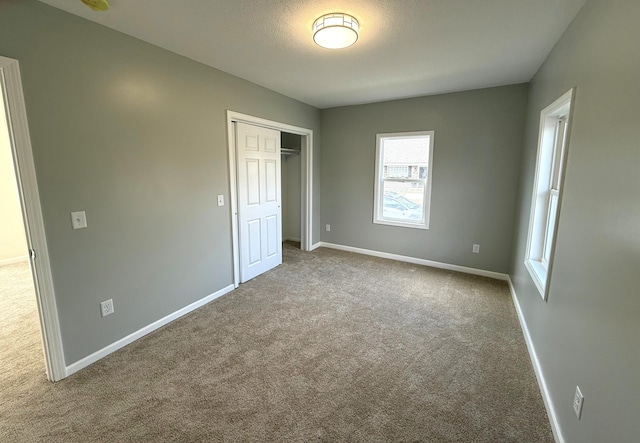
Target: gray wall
[135,136]
[477,146]
[587,333]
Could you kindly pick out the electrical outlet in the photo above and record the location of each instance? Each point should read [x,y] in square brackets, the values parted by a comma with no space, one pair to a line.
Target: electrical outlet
[221,200]
[106,307]
[328,227]
[577,402]
[476,249]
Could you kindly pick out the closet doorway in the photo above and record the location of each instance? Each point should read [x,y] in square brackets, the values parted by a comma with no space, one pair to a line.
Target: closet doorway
[306,180]
[30,241]
[20,343]
[291,147]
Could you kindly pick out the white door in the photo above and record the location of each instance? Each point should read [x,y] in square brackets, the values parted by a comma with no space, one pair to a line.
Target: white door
[259,212]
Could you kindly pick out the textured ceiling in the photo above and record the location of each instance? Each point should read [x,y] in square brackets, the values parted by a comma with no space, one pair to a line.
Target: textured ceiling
[406,48]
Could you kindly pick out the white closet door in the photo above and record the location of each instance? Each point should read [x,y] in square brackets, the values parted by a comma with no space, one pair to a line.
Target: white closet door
[259,211]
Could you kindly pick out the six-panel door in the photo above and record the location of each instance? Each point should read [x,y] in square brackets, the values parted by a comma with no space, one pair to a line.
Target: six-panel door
[259,211]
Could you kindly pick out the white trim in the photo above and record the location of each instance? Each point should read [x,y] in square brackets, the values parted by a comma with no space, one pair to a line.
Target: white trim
[11,261]
[15,108]
[538,275]
[537,368]
[306,154]
[291,239]
[315,246]
[233,201]
[417,261]
[83,363]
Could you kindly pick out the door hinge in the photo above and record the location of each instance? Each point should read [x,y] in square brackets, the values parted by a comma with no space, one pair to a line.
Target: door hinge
[32,254]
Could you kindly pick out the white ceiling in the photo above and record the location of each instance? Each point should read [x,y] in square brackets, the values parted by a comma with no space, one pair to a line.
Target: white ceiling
[406,48]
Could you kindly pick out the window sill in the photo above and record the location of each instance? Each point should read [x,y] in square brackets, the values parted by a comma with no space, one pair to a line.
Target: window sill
[539,275]
[401,224]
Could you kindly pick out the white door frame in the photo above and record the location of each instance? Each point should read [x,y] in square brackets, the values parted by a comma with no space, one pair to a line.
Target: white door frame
[11,83]
[306,155]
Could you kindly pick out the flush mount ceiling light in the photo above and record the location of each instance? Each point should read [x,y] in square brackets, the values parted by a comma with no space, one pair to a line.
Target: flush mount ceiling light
[335,31]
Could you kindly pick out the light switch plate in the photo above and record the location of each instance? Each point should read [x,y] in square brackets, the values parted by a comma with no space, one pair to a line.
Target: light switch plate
[78,220]
[221,200]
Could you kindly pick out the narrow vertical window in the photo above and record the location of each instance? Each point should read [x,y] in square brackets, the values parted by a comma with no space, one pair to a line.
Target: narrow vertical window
[545,207]
[403,179]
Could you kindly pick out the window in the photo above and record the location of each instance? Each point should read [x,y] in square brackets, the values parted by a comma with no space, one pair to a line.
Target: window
[545,207]
[403,179]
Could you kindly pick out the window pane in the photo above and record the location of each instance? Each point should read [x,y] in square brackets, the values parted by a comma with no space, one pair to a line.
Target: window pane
[551,223]
[561,137]
[405,161]
[406,151]
[403,201]
[405,158]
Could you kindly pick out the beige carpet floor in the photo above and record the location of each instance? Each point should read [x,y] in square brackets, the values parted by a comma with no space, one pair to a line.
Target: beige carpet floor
[328,347]
[21,356]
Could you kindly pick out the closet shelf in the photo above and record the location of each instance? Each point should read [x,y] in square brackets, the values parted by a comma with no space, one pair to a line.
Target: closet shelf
[289,151]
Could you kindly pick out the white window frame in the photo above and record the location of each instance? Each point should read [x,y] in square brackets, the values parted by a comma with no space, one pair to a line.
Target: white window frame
[379,182]
[553,141]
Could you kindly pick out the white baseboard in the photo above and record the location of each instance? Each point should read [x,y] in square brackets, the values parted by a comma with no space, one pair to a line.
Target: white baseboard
[551,412]
[83,363]
[417,261]
[315,246]
[291,239]
[10,261]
